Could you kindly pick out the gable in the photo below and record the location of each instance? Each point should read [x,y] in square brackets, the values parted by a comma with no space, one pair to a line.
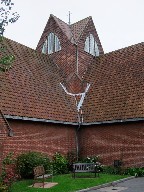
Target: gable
[78,27]
[59,28]
[89,29]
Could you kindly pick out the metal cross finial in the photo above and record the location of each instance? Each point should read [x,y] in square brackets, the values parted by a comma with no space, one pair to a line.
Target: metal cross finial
[69,18]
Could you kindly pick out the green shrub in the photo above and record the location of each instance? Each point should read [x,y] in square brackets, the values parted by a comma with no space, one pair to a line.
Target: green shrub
[139,172]
[60,164]
[112,170]
[93,159]
[27,161]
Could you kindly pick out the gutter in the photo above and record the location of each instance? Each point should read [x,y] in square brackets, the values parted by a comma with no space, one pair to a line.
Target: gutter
[115,121]
[77,141]
[38,120]
[72,123]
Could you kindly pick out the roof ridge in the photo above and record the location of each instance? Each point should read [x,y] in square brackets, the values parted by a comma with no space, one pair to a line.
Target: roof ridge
[51,15]
[125,48]
[89,17]
[64,27]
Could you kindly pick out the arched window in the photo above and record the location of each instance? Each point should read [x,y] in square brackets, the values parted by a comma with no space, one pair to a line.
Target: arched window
[91,45]
[52,44]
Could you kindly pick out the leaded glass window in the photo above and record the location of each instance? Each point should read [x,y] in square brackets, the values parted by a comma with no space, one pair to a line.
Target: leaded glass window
[91,45]
[52,44]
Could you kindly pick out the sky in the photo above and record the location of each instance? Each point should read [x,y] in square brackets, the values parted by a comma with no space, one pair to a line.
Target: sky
[119,23]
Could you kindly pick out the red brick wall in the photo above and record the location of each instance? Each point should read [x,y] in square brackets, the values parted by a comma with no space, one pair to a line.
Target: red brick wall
[41,137]
[116,141]
[3,134]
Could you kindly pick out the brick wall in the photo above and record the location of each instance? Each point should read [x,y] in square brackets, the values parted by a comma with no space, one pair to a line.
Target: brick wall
[3,134]
[116,141]
[41,137]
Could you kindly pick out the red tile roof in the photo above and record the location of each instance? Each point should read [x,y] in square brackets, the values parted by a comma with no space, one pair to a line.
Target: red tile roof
[117,86]
[74,31]
[78,27]
[32,87]
[64,27]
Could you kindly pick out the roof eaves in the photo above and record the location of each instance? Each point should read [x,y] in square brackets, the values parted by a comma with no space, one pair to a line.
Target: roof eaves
[73,123]
[39,120]
[115,121]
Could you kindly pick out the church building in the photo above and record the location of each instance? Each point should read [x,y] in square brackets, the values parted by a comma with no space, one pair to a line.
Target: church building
[69,96]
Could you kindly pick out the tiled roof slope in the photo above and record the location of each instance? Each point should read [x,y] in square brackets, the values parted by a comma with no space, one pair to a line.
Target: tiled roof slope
[74,31]
[78,27]
[117,86]
[65,27]
[32,87]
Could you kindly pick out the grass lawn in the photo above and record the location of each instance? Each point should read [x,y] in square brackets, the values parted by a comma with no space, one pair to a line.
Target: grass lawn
[66,183]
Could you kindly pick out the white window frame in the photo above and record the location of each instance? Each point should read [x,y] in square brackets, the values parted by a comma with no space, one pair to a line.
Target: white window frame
[51,44]
[91,46]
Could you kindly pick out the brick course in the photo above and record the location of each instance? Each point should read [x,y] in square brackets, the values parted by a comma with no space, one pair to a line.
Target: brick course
[3,135]
[114,141]
[41,137]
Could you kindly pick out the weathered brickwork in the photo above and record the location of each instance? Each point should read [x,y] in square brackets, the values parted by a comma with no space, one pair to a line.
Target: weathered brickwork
[41,137]
[3,135]
[123,141]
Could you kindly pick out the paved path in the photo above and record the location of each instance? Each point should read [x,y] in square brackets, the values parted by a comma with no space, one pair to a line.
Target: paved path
[132,185]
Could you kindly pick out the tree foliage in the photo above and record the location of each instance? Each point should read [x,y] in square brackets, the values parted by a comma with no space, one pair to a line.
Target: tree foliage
[6,17]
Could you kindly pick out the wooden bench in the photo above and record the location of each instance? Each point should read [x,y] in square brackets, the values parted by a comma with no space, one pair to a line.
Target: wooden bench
[39,173]
[85,168]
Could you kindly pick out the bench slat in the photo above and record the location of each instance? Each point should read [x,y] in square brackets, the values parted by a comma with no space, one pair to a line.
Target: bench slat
[85,168]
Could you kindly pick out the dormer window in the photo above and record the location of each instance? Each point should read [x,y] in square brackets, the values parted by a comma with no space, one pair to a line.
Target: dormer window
[51,44]
[91,45]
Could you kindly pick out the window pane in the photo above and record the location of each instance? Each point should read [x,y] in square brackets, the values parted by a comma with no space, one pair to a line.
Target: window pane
[57,44]
[96,49]
[86,48]
[92,45]
[44,48]
[51,43]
